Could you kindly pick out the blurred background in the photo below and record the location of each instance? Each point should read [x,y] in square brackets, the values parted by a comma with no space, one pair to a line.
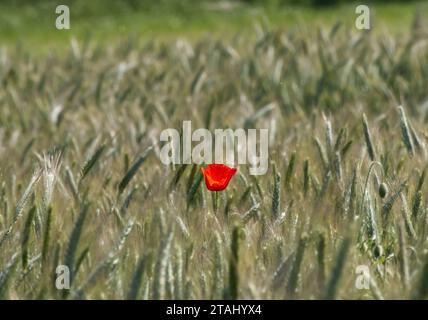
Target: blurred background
[33,22]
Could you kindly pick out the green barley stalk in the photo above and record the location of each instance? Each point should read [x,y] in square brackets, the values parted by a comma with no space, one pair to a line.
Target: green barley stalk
[233,289]
[315,185]
[251,213]
[350,193]
[276,195]
[128,199]
[6,275]
[338,167]
[245,194]
[21,204]
[346,148]
[421,290]
[321,260]
[290,169]
[403,257]
[368,139]
[136,280]
[51,167]
[183,227]
[33,262]
[179,269]
[417,200]
[372,229]
[227,207]
[366,184]
[52,274]
[193,190]
[91,161]
[203,285]
[125,163]
[105,263]
[74,240]
[188,290]
[329,138]
[387,206]
[419,145]
[374,288]
[133,170]
[405,132]
[423,220]
[146,291]
[306,176]
[342,134]
[406,217]
[421,180]
[336,272]
[170,287]
[159,285]
[26,237]
[322,153]
[295,271]
[190,180]
[281,272]
[218,272]
[417,197]
[324,186]
[72,184]
[178,175]
[81,259]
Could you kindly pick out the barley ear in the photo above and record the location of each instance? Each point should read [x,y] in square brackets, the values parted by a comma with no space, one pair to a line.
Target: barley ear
[368,139]
[233,290]
[405,131]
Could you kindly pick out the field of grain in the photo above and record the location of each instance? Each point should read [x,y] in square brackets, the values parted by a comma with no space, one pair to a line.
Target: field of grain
[81,183]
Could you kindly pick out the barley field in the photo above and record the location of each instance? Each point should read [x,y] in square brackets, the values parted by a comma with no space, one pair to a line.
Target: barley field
[82,186]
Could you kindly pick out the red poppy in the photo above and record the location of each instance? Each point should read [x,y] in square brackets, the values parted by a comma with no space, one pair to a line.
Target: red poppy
[217,176]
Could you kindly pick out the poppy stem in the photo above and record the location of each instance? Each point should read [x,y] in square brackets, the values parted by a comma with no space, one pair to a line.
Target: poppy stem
[215,201]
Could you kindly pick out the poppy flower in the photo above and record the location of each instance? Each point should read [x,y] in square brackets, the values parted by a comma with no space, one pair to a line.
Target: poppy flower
[217,176]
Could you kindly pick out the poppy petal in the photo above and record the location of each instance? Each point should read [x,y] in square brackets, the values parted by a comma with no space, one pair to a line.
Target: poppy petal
[217,176]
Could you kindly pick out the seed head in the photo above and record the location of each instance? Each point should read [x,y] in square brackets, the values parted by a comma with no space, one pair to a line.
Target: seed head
[383,190]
